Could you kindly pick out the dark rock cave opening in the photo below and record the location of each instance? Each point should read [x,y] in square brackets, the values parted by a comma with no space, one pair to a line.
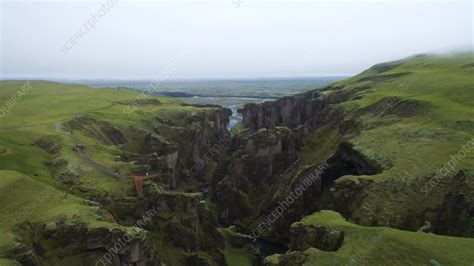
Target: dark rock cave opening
[345,161]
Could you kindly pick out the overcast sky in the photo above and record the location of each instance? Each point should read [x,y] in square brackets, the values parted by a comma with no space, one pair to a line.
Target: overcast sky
[229,39]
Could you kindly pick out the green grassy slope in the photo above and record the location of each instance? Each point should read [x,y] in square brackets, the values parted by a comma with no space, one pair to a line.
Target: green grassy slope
[414,116]
[381,246]
[47,103]
[35,116]
[446,85]
[27,200]
[29,177]
[436,121]
[28,190]
[235,256]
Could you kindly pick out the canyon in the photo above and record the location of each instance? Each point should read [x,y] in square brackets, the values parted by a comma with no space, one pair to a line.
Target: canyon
[352,156]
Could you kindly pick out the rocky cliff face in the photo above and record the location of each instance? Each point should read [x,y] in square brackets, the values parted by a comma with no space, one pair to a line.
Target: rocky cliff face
[304,112]
[263,164]
[180,149]
[256,160]
[54,243]
[292,112]
[184,151]
[320,237]
[256,181]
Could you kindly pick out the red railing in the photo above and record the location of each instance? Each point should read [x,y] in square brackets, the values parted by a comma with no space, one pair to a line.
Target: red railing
[139,183]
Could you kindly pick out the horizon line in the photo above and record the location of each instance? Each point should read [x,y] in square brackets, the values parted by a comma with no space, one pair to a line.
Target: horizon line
[176,79]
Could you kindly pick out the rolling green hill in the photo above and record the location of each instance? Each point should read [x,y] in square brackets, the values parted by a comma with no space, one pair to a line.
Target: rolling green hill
[43,171]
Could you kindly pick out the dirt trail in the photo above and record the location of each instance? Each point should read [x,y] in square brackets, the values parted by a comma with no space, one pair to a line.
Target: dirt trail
[82,154]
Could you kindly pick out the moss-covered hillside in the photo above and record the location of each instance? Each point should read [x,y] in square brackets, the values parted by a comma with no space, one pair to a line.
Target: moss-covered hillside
[67,153]
[326,238]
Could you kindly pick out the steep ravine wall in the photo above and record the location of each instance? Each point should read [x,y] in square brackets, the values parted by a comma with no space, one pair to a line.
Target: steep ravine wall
[183,152]
[263,164]
[355,198]
[302,112]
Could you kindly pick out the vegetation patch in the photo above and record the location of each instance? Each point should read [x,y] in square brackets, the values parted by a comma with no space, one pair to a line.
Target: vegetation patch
[237,252]
[101,130]
[382,78]
[49,143]
[397,106]
[371,245]
[471,65]
[385,67]
[408,108]
[320,237]
[143,102]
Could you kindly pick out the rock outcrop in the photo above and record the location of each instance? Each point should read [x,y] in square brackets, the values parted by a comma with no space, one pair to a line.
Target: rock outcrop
[320,237]
[256,160]
[53,243]
[101,130]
